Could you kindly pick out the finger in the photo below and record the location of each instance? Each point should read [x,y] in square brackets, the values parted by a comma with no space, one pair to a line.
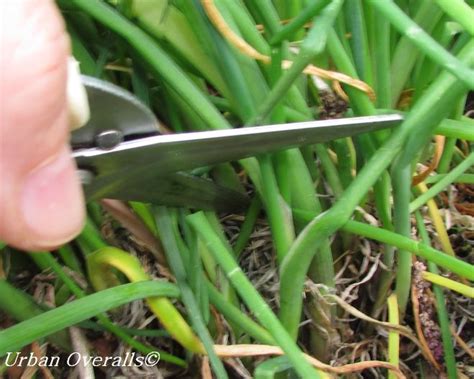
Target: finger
[41,204]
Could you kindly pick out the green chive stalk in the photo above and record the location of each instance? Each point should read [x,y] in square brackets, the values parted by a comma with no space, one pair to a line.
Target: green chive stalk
[424,251]
[280,219]
[236,316]
[450,143]
[17,336]
[381,61]
[270,368]
[22,307]
[345,160]
[308,13]
[401,179]
[460,11]
[356,25]
[463,178]
[247,226]
[267,13]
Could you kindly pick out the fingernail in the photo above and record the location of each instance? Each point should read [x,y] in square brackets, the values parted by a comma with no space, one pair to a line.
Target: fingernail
[52,202]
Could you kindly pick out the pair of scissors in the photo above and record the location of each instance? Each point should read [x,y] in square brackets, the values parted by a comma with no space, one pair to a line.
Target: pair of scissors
[121,154]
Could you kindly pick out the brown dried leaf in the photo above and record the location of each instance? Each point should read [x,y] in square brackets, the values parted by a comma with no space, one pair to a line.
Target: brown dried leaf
[231,351]
[123,214]
[206,372]
[439,147]
[415,296]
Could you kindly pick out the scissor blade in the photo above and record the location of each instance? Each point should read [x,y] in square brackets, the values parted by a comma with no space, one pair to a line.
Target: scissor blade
[167,154]
[113,108]
[175,190]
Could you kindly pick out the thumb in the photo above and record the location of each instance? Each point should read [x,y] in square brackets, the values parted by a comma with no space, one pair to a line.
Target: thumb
[41,203]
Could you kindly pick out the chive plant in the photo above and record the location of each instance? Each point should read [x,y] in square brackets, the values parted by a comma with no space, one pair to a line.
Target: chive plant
[343,217]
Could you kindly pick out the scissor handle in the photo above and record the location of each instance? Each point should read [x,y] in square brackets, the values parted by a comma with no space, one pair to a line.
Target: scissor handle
[115,115]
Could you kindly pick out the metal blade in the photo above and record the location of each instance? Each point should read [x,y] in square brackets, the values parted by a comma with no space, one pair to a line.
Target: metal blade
[176,190]
[167,154]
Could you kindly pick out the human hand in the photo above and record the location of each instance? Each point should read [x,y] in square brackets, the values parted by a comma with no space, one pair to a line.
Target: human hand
[41,202]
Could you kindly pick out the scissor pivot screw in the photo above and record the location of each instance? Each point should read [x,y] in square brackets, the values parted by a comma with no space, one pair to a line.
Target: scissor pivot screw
[109,139]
